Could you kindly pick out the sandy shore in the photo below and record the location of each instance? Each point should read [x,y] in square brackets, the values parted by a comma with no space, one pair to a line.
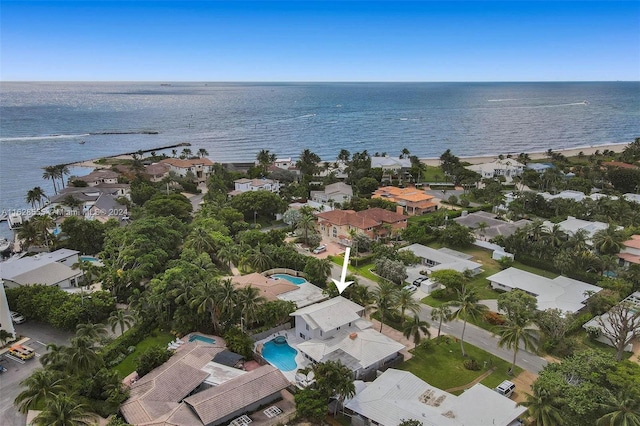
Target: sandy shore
[572,152]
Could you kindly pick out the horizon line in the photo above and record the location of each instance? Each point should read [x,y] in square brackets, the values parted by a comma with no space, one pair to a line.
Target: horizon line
[317,81]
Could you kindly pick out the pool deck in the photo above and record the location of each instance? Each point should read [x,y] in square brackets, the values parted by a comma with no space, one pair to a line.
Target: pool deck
[293,341]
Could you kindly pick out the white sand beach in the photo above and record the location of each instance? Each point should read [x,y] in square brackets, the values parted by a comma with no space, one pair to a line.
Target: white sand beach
[571,152]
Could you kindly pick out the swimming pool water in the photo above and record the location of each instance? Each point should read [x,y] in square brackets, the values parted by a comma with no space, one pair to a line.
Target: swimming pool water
[290,278]
[202,339]
[89,259]
[281,355]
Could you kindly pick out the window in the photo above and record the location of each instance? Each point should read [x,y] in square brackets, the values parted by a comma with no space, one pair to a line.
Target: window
[338,328]
[335,232]
[307,327]
[321,332]
[302,336]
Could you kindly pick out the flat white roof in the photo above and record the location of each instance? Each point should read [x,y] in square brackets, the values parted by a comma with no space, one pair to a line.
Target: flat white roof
[396,395]
[445,258]
[330,314]
[11,268]
[561,292]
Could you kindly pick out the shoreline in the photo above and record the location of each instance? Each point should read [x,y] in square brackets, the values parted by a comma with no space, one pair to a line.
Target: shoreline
[429,161]
[535,155]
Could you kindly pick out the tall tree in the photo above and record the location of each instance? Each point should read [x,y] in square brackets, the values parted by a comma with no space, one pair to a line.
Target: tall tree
[441,314]
[385,298]
[407,302]
[512,333]
[65,410]
[41,385]
[468,307]
[622,409]
[415,328]
[542,408]
[620,325]
[120,318]
[249,300]
[51,174]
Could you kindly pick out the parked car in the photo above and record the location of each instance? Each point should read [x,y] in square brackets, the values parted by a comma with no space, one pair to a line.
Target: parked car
[17,318]
[23,352]
[419,281]
[506,388]
[319,249]
[410,287]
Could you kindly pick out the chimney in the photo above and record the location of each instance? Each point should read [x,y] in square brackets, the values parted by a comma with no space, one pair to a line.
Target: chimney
[399,210]
[353,336]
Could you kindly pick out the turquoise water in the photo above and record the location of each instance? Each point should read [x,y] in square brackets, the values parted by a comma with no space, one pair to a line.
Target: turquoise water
[89,259]
[290,278]
[280,355]
[201,338]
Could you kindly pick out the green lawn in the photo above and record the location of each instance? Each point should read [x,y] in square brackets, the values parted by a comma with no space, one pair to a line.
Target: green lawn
[433,174]
[442,365]
[364,270]
[128,365]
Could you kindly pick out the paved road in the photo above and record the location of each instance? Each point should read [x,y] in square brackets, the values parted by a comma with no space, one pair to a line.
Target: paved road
[40,335]
[474,335]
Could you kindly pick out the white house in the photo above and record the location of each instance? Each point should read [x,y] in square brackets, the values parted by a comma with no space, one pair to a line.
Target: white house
[444,258]
[572,225]
[603,322]
[509,168]
[53,268]
[338,192]
[565,294]
[245,185]
[334,331]
[399,395]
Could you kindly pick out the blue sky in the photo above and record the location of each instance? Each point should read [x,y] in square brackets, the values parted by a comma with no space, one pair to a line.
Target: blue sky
[319,41]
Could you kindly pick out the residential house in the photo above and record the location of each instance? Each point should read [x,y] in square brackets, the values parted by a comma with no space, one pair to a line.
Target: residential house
[508,167]
[55,268]
[106,207]
[338,192]
[540,167]
[191,389]
[99,176]
[390,165]
[245,185]
[399,395]
[412,200]
[444,258]
[630,253]
[603,322]
[157,171]
[281,289]
[200,168]
[572,225]
[334,330]
[486,226]
[285,163]
[86,197]
[565,294]
[375,223]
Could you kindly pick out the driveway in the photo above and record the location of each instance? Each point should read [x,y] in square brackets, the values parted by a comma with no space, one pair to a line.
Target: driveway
[39,336]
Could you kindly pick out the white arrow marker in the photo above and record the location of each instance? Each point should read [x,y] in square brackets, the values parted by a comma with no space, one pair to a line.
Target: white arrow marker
[341,285]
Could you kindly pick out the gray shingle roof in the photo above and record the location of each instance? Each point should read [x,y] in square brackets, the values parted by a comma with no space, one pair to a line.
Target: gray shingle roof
[220,401]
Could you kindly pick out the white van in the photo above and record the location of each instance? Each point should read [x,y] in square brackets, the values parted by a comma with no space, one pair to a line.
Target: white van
[506,388]
[319,249]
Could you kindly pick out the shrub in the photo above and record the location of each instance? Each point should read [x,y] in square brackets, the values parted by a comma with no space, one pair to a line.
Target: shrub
[439,294]
[153,357]
[494,318]
[471,364]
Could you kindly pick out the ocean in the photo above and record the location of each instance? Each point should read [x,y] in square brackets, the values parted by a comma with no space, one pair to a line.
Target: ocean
[43,123]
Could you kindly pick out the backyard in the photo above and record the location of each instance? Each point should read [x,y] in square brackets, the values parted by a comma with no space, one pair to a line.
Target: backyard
[128,365]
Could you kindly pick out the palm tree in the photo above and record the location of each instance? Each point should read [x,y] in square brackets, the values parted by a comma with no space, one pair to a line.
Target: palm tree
[42,224]
[440,314]
[542,408]
[385,297]
[32,198]
[39,194]
[61,170]
[54,357]
[64,410]
[174,153]
[41,385]
[28,233]
[83,358]
[415,328]
[186,153]
[5,336]
[227,296]
[202,152]
[205,300]
[609,240]
[72,202]
[306,223]
[50,173]
[248,300]
[119,318]
[512,333]
[91,331]
[200,240]
[407,302]
[259,259]
[468,307]
[622,409]
[228,254]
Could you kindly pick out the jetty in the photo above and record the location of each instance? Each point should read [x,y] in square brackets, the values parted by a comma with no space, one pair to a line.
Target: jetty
[144,151]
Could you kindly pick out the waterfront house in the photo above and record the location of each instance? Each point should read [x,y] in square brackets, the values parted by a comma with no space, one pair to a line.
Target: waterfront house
[200,168]
[565,294]
[334,330]
[157,171]
[375,223]
[508,167]
[412,200]
[99,176]
[53,268]
[245,185]
[399,395]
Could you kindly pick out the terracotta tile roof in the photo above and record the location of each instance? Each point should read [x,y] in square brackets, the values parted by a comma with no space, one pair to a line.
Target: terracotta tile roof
[364,219]
[393,193]
[634,242]
[220,401]
[269,287]
[631,258]
[183,164]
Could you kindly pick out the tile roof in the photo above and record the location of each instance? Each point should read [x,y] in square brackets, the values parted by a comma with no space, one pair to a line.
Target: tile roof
[183,164]
[396,194]
[634,242]
[269,288]
[220,401]
[330,314]
[364,219]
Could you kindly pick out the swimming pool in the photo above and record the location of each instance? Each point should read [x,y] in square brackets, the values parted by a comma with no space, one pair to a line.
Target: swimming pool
[281,355]
[202,339]
[290,278]
[89,259]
